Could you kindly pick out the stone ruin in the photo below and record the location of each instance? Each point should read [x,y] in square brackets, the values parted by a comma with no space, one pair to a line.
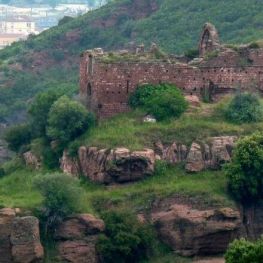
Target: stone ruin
[209,40]
[107,81]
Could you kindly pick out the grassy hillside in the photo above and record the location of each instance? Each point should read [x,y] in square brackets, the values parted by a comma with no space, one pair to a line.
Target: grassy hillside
[51,59]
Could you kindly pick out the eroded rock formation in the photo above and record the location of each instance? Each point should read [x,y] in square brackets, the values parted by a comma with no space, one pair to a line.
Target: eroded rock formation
[107,166]
[19,238]
[77,237]
[192,231]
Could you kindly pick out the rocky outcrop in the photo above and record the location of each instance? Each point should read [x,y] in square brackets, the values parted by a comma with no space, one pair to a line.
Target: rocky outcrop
[200,156]
[195,161]
[32,160]
[25,240]
[107,166]
[77,237]
[7,216]
[19,238]
[121,165]
[192,231]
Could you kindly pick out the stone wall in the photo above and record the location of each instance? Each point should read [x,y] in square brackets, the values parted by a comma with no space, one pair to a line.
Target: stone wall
[105,87]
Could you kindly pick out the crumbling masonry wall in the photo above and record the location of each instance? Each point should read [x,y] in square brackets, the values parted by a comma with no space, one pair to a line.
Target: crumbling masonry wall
[105,87]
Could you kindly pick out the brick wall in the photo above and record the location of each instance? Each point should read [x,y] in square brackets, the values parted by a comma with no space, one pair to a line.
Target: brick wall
[105,88]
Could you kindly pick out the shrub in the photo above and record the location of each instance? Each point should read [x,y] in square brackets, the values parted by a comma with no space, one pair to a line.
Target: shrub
[242,251]
[142,93]
[244,108]
[168,104]
[244,172]
[67,120]
[163,101]
[61,197]
[125,239]
[192,53]
[18,136]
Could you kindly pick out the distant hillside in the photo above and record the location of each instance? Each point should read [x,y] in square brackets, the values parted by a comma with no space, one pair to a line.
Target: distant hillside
[50,60]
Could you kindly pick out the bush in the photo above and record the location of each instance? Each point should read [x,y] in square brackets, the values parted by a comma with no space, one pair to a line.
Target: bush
[163,101]
[17,136]
[67,120]
[125,239]
[244,108]
[242,251]
[61,197]
[244,172]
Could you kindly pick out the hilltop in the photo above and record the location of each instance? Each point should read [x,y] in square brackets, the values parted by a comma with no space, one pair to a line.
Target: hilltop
[51,59]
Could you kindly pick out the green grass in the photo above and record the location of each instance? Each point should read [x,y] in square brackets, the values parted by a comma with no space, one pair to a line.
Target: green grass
[16,190]
[128,130]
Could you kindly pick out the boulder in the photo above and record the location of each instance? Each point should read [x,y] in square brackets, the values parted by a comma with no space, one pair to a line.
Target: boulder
[69,165]
[7,216]
[192,231]
[193,101]
[78,251]
[108,166]
[221,150]
[79,226]
[25,240]
[32,160]
[195,161]
[173,154]
[77,237]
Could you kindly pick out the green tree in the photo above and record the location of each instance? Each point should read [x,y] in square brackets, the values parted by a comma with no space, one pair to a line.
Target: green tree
[244,172]
[18,136]
[243,251]
[61,197]
[39,110]
[67,120]
[244,108]
[125,239]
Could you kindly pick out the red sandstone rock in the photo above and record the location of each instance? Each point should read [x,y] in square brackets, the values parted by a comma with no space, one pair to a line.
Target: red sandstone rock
[193,100]
[112,166]
[77,237]
[221,150]
[32,160]
[78,251]
[197,232]
[7,216]
[79,226]
[25,240]
[195,161]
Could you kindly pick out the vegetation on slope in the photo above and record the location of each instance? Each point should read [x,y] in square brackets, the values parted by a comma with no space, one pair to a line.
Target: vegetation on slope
[51,58]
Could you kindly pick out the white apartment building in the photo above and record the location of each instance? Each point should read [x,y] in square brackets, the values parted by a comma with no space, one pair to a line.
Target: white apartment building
[18,25]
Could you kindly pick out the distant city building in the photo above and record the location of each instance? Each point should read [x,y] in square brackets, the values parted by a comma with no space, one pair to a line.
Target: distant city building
[18,25]
[8,39]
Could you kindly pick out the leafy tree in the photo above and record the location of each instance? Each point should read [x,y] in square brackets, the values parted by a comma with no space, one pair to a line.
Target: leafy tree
[61,197]
[243,251]
[125,239]
[18,136]
[67,120]
[244,108]
[39,110]
[244,172]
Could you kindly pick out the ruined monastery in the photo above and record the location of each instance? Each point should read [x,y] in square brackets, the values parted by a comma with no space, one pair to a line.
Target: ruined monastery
[107,79]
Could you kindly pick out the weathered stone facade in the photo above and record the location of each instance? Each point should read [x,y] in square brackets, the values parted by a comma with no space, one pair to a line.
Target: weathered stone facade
[106,86]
